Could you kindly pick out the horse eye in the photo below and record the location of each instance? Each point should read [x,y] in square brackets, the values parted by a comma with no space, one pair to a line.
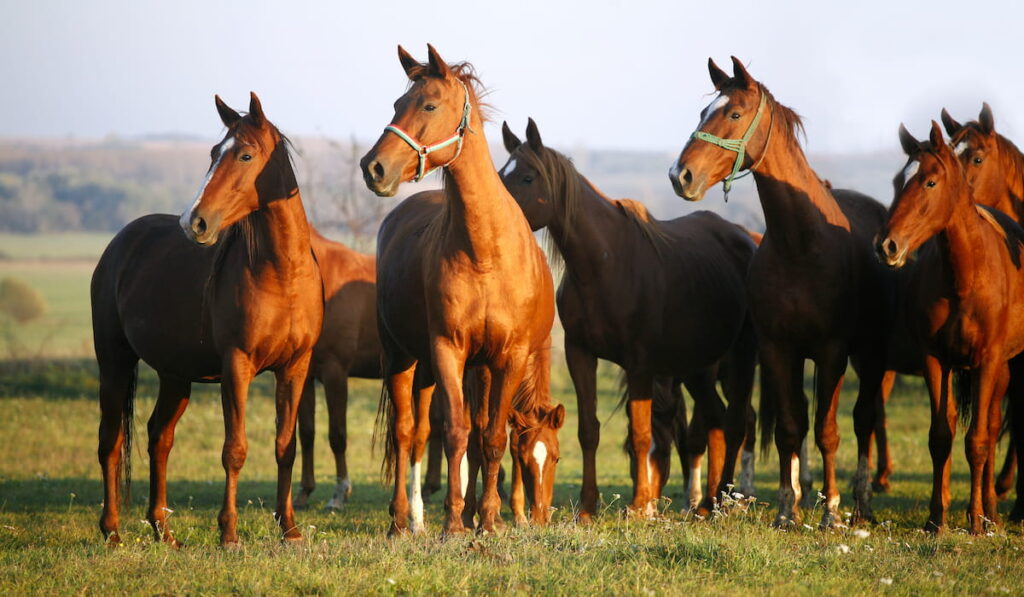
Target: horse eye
[930,184]
[430,107]
[528,179]
[978,160]
[735,116]
[245,157]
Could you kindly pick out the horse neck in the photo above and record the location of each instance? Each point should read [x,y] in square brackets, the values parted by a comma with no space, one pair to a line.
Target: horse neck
[959,241]
[283,234]
[798,209]
[477,206]
[586,241]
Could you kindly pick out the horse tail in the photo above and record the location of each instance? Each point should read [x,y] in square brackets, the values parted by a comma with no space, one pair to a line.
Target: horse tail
[384,427]
[767,415]
[124,471]
[963,393]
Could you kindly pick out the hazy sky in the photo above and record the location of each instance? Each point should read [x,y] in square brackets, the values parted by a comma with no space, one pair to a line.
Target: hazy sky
[599,74]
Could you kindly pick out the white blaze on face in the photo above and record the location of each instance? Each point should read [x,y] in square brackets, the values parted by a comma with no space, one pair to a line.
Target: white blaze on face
[186,216]
[540,454]
[464,475]
[416,510]
[509,168]
[960,147]
[910,171]
[715,105]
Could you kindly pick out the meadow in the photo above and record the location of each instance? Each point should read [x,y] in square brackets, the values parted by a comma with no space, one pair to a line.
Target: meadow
[50,499]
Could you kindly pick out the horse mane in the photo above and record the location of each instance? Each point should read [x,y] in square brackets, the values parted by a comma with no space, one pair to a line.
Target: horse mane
[564,184]
[1007,228]
[792,126]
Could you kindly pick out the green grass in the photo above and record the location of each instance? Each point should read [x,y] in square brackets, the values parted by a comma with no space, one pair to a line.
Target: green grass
[50,500]
[62,245]
[66,328]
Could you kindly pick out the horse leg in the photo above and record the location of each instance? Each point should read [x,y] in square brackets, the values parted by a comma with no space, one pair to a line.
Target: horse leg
[502,387]
[681,435]
[290,382]
[423,390]
[940,439]
[517,495]
[739,389]
[987,381]
[400,388]
[640,389]
[990,501]
[170,405]
[307,433]
[702,387]
[435,449]
[1004,482]
[782,394]
[829,378]
[117,389]
[1016,414]
[664,415]
[583,371]
[449,367]
[871,372]
[335,380]
[697,444]
[880,484]
[475,421]
[237,372]
[747,459]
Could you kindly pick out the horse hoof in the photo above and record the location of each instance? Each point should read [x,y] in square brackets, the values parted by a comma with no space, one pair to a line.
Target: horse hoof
[335,504]
[881,486]
[113,539]
[397,530]
[831,521]
[301,501]
[231,545]
[935,528]
[585,519]
[452,531]
[784,523]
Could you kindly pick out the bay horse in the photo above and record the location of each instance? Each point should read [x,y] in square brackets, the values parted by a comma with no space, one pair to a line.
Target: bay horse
[966,300]
[460,284]
[994,167]
[237,293]
[348,347]
[655,297]
[815,287]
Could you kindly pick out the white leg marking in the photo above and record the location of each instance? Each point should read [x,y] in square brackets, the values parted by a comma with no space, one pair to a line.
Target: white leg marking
[747,473]
[696,493]
[416,509]
[464,475]
[342,489]
[650,462]
[794,476]
[540,454]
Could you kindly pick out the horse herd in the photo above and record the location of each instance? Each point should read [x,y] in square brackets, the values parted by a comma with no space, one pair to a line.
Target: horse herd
[456,312]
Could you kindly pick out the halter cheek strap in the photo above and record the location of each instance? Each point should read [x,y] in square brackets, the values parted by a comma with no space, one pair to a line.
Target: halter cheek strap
[422,151]
[737,145]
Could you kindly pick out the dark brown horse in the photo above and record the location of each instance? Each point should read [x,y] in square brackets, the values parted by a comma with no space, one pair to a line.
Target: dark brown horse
[966,296]
[198,312]
[348,347]
[463,284]
[816,289]
[966,299]
[994,167]
[655,297]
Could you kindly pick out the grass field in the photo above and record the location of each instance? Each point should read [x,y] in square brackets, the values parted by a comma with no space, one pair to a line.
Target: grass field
[50,499]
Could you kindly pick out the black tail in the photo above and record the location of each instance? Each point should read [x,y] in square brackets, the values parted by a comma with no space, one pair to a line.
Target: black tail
[963,394]
[124,471]
[384,426]
[767,411]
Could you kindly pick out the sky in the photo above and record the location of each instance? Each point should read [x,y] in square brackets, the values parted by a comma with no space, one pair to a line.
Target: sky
[596,74]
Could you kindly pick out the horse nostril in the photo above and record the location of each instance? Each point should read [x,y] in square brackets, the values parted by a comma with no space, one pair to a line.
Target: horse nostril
[377,170]
[890,247]
[198,225]
[685,175]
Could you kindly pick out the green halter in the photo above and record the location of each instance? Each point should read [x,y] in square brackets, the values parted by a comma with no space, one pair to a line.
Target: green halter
[737,145]
[422,151]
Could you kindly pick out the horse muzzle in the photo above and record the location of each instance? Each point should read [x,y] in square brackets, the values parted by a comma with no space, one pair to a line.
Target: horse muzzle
[379,177]
[199,229]
[686,184]
[892,252]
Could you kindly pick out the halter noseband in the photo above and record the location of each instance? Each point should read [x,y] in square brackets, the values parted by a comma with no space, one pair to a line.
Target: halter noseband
[424,150]
[737,145]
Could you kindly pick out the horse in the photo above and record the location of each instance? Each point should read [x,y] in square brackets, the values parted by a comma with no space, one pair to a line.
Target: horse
[237,293]
[816,289]
[655,297]
[965,300]
[348,346]
[994,167]
[461,281]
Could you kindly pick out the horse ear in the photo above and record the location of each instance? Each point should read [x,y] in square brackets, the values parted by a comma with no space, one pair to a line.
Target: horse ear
[227,115]
[533,136]
[908,142]
[935,135]
[718,76]
[951,125]
[512,142]
[256,109]
[556,417]
[409,63]
[986,120]
[739,72]
[436,65]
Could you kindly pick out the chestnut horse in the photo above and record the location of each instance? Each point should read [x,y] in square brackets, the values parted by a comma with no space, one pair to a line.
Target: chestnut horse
[195,312]
[656,298]
[463,284]
[966,303]
[994,167]
[816,289]
[348,346]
